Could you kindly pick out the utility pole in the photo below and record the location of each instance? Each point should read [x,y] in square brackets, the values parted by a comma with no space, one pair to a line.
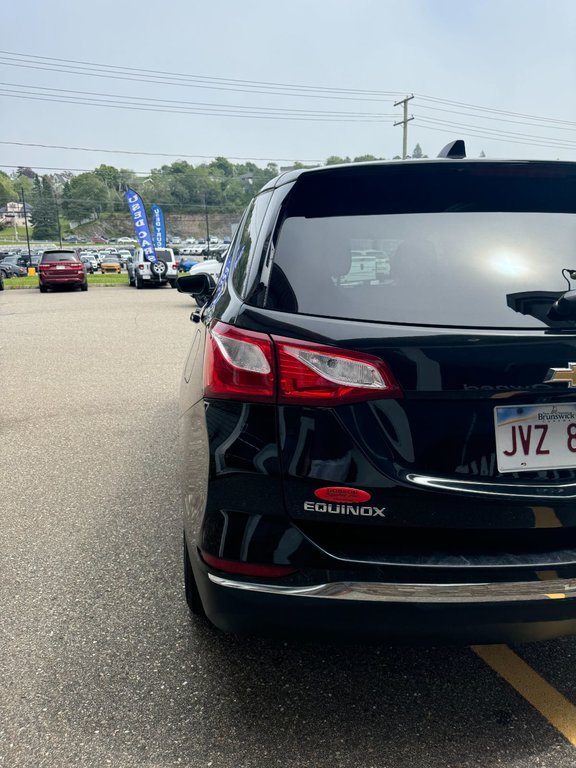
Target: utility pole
[57,218]
[404,122]
[26,222]
[207,225]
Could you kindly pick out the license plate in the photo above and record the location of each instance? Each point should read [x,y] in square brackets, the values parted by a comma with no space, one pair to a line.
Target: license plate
[535,437]
[60,266]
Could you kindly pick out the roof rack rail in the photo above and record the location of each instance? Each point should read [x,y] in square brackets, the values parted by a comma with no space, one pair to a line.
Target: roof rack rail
[456,150]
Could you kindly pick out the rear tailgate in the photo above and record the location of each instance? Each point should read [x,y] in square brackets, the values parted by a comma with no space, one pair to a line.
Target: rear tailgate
[476,456]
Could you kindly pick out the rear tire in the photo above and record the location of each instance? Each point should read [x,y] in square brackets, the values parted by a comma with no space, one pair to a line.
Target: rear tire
[139,282]
[173,284]
[191,590]
[43,289]
[84,287]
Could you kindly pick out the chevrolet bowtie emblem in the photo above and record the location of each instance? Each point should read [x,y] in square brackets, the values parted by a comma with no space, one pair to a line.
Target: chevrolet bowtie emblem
[562,375]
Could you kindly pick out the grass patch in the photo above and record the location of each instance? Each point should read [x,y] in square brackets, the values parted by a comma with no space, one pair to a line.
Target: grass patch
[32,282]
[121,279]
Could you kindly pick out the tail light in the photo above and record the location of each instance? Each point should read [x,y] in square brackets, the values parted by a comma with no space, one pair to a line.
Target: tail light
[251,366]
[314,374]
[141,267]
[239,365]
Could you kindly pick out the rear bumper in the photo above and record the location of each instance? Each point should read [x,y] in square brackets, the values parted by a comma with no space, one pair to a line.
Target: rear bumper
[64,280]
[166,279]
[409,613]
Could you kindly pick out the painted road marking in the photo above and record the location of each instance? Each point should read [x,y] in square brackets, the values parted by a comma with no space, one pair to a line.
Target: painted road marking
[555,707]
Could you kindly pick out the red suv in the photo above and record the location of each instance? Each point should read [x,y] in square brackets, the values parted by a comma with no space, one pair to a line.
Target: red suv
[61,267]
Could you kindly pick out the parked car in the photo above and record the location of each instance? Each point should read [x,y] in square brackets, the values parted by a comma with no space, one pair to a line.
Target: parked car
[1,280]
[390,457]
[123,256]
[186,263]
[142,272]
[110,264]
[10,267]
[61,268]
[90,261]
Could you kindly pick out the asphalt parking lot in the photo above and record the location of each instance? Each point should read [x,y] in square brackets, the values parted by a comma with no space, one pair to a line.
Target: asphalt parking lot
[100,663]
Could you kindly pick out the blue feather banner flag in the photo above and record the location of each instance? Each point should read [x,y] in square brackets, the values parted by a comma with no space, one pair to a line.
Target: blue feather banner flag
[158,226]
[141,227]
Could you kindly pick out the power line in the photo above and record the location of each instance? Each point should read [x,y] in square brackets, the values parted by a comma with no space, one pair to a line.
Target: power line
[193,104]
[491,109]
[203,77]
[566,126]
[155,154]
[96,102]
[135,79]
[495,138]
[490,132]
[19,59]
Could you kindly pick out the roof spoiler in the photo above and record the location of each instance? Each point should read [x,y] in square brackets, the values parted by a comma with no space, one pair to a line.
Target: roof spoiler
[456,150]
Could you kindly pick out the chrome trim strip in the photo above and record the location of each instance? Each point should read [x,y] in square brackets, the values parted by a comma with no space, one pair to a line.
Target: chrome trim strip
[518,490]
[497,592]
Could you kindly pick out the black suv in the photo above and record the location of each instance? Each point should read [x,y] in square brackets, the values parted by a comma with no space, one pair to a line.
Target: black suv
[377,417]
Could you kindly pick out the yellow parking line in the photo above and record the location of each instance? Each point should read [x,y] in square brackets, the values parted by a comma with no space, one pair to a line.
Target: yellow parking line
[547,700]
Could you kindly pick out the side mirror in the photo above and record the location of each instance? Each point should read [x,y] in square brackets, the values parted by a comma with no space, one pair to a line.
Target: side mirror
[196,285]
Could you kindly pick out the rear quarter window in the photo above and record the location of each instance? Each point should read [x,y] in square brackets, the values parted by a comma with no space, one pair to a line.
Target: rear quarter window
[244,244]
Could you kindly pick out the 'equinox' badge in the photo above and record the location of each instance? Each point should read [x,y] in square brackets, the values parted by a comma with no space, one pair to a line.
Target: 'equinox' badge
[562,375]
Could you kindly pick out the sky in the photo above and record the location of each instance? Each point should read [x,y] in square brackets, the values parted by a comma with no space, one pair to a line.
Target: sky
[141,84]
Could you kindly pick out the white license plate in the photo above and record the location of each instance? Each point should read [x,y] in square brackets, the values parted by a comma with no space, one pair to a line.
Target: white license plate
[535,437]
[60,266]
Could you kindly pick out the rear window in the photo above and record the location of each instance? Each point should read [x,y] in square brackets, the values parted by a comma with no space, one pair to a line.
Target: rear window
[165,255]
[463,244]
[59,256]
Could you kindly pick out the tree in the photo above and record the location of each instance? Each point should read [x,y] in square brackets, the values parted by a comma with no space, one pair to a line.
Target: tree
[335,160]
[44,215]
[365,158]
[109,175]
[222,166]
[23,184]
[83,196]
[8,193]
[482,154]
[417,152]
[28,172]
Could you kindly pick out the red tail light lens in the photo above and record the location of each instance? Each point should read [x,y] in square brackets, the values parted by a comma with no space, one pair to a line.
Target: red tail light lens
[251,366]
[312,374]
[239,365]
